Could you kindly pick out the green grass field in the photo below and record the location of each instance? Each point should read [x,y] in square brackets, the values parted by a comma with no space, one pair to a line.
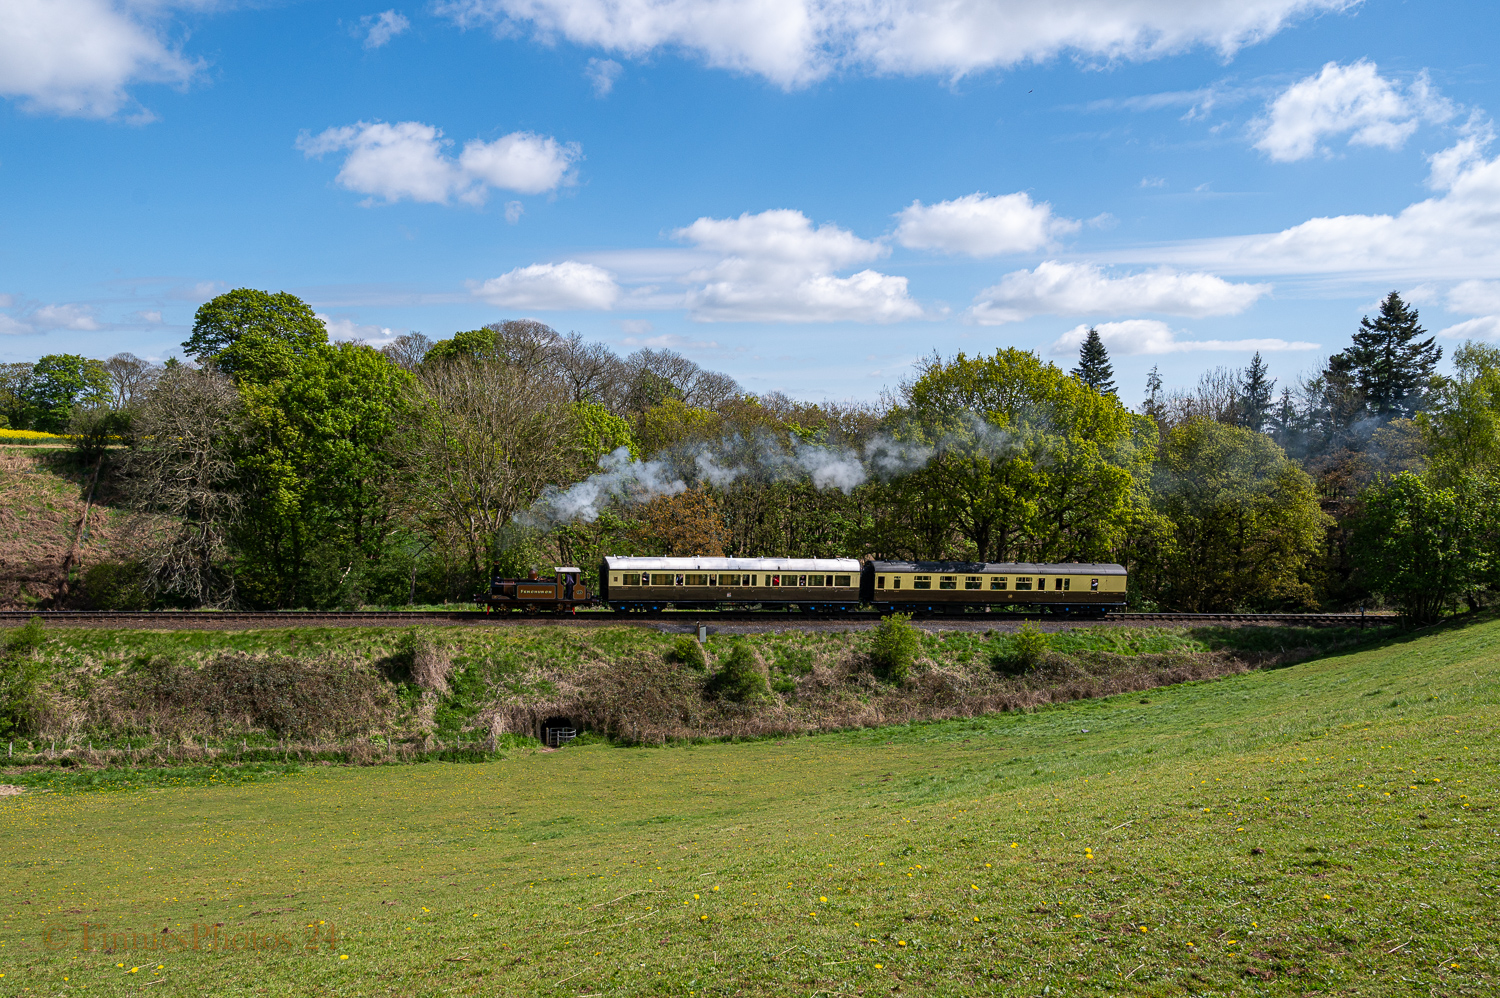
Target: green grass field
[1327,827]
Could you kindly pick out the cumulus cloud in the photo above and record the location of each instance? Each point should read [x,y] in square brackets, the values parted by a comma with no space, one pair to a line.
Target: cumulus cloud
[1453,235]
[1056,288]
[1135,337]
[794,42]
[566,285]
[980,225]
[603,73]
[406,160]
[379,29]
[80,57]
[777,266]
[1353,100]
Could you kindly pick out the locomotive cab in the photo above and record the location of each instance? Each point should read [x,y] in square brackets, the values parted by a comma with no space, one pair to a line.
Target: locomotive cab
[563,591]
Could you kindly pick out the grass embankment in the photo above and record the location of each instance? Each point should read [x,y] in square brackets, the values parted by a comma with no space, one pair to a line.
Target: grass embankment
[376,694]
[1326,827]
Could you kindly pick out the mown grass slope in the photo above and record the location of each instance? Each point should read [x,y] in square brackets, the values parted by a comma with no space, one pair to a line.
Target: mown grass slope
[1326,827]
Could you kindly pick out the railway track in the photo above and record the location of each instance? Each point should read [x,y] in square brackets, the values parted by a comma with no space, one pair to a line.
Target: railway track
[685,619]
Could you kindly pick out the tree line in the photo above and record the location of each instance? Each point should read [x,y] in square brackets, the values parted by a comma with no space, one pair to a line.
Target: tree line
[277,469]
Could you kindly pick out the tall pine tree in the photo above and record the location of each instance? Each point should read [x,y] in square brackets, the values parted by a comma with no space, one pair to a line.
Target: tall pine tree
[1392,364]
[1093,367]
[1255,395]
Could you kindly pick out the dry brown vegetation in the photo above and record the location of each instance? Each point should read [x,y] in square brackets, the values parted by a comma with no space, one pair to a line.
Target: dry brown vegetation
[42,501]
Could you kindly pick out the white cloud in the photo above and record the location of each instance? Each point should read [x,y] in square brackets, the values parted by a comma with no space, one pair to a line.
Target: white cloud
[13,327]
[1451,236]
[521,161]
[1353,100]
[406,160]
[349,330]
[777,267]
[1486,327]
[980,225]
[1478,298]
[603,73]
[79,317]
[6,301]
[794,42]
[1056,288]
[636,327]
[381,28]
[566,285]
[151,317]
[513,211]
[80,57]
[1135,337]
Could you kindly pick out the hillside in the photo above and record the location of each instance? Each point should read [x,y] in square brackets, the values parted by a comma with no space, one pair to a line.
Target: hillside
[1326,827]
[43,496]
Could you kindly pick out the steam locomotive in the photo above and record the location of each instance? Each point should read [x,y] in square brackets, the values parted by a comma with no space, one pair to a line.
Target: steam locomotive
[819,586]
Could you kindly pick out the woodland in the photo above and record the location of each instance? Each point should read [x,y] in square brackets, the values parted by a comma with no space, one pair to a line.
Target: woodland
[277,469]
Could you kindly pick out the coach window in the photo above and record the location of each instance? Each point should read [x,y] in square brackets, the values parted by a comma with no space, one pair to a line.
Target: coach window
[843,580]
[998,582]
[661,580]
[895,582]
[880,582]
[773,580]
[1093,585]
[801,580]
[921,582]
[753,579]
[973,582]
[695,580]
[1066,584]
[947,582]
[713,580]
[630,579]
[1023,583]
[677,580]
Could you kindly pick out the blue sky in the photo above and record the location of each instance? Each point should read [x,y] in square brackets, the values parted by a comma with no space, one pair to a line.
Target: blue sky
[805,195]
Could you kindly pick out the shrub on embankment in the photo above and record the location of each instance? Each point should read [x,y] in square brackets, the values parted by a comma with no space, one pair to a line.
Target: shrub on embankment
[262,691]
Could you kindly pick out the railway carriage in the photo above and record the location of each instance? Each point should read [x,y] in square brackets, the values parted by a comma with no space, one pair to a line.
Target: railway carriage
[813,585]
[956,586]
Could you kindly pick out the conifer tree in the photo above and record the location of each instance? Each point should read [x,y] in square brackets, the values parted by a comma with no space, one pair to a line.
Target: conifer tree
[1154,404]
[1255,395]
[1392,364]
[1093,367]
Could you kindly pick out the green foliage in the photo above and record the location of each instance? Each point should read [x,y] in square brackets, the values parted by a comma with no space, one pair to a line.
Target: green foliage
[59,383]
[1094,368]
[1426,548]
[112,586]
[254,333]
[94,428]
[1461,428]
[894,647]
[1030,464]
[1391,364]
[687,651]
[472,343]
[317,473]
[1245,527]
[1029,645]
[741,677]
[20,673]
[597,432]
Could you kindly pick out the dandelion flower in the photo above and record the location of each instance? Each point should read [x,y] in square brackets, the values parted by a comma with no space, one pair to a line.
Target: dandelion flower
[900,942]
[880,966]
[823,899]
[343,956]
[1014,845]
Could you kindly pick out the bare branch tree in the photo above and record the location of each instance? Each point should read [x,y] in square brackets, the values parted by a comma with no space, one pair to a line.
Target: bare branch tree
[130,378]
[488,437]
[179,479]
[591,370]
[407,350]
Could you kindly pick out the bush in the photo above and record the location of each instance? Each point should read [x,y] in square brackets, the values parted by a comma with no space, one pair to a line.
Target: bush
[1028,646]
[741,678]
[111,586]
[689,652]
[20,673]
[895,649]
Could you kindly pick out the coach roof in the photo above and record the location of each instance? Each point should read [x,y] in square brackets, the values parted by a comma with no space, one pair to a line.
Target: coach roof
[1000,568]
[849,565]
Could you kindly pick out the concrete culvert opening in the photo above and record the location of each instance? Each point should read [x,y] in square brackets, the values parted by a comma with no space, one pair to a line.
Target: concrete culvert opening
[558,731]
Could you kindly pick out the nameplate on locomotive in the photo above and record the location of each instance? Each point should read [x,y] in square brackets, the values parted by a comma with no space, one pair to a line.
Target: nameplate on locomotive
[524,591]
